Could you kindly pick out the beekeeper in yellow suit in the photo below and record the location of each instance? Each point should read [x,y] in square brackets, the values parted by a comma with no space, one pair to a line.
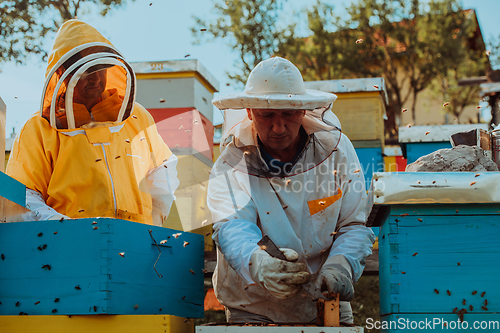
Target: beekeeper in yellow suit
[92,151]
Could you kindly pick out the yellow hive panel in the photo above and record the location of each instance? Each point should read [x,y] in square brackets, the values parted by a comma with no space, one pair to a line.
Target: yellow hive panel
[361,115]
[96,324]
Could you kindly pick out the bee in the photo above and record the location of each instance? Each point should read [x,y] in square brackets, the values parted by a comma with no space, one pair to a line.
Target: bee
[477,175]
[2,256]
[474,292]
[192,272]
[93,223]
[448,292]
[446,104]
[183,297]
[95,228]
[409,125]
[95,308]
[117,157]
[163,242]
[288,181]
[359,41]
[18,303]
[463,302]
[181,127]
[185,244]
[375,86]
[204,222]
[471,307]
[455,310]
[483,293]
[98,159]
[143,138]
[263,247]
[356,171]
[485,302]
[56,300]
[134,116]
[47,267]
[81,211]
[285,207]
[427,132]
[122,254]
[127,140]
[40,234]
[177,235]
[78,287]
[54,311]
[436,291]
[472,183]
[333,233]
[136,306]
[419,220]
[162,100]
[37,302]
[403,272]
[55,232]
[414,254]
[404,110]
[484,308]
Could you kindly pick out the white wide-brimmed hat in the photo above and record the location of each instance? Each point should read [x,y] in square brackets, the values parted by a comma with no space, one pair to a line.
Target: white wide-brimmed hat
[275,83]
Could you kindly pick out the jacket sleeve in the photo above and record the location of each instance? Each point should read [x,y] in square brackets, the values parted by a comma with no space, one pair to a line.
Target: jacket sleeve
[42,211]
[235,230]
[163,182]
[162,175]
[353,239]
[34,146]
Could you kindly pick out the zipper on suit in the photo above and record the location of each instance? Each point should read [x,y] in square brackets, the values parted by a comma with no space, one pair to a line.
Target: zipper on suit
[110,177]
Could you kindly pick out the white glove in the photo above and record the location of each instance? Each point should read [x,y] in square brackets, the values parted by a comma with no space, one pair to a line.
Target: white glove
[281,278]
[335,276]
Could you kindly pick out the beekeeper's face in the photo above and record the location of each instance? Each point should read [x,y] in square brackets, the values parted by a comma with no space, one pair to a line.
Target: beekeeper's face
[277,129]
[90,87]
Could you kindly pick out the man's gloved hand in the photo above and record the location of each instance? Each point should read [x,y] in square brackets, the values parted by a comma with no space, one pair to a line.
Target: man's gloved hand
[283,279]
[335,276]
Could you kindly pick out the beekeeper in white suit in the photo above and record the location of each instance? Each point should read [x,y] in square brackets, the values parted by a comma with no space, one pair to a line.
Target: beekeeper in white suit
[286,171]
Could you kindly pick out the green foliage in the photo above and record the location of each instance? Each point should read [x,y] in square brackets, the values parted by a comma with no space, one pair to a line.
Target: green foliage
[249,27]
[410,43]
[25,24]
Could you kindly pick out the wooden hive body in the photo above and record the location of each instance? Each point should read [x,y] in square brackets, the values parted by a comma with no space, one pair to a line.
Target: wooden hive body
[99,266]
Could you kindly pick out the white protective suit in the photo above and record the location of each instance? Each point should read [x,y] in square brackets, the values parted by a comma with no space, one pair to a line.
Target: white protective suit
[318,210]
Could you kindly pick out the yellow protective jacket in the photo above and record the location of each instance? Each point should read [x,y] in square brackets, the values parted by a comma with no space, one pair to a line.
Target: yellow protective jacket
[101,162]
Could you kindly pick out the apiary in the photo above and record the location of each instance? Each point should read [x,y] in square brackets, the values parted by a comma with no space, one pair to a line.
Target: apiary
[438,245]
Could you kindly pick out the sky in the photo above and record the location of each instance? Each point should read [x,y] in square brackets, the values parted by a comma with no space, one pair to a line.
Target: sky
[159,32]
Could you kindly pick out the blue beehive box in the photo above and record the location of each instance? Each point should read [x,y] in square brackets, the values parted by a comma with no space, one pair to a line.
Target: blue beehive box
[437,258]
[99,266]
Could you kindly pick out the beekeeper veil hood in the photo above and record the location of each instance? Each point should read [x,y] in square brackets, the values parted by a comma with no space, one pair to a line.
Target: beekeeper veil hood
[277,85]
[87,82]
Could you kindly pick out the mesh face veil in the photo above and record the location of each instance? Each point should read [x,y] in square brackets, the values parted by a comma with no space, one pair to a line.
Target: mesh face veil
[90,84]
[255,146]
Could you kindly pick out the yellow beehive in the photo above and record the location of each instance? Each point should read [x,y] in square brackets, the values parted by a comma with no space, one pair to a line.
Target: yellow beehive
[96,324]
[360,106]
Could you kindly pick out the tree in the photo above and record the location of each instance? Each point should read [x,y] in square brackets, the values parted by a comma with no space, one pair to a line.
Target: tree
[249,27]
[410,43]
[24,24]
